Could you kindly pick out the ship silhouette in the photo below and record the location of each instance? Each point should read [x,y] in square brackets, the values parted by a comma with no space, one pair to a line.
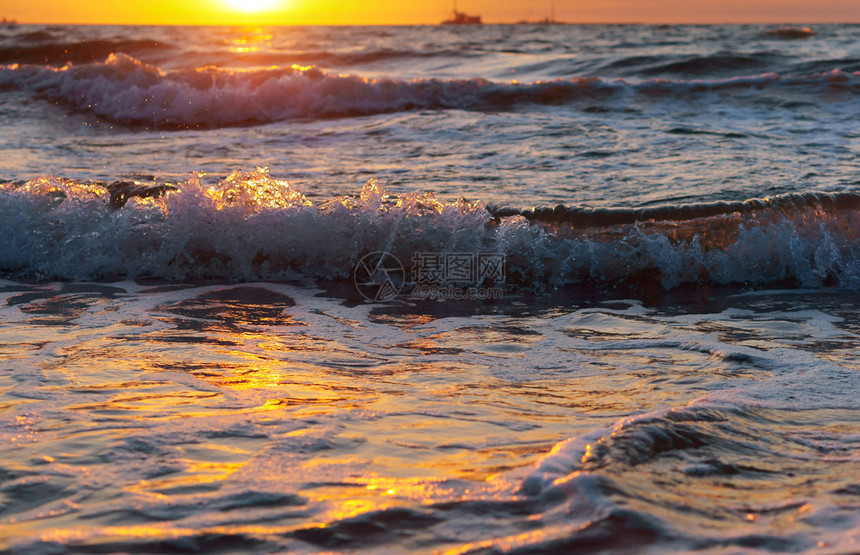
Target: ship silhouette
[461,18]
[549,20]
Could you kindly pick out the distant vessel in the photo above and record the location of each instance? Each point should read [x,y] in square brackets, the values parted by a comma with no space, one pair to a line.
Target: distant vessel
[548,21]
[551,20]
[460,18]
[8,23]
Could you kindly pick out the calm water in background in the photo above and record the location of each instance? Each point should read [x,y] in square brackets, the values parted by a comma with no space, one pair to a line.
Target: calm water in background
[185,363]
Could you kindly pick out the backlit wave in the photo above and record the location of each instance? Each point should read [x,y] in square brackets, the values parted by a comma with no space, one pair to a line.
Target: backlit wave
[250,226]
[126,90]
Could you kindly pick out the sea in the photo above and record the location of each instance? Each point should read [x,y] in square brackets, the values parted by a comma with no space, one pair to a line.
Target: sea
[430,289]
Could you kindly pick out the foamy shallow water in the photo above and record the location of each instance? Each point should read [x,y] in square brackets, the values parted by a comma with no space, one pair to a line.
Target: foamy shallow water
[265,417]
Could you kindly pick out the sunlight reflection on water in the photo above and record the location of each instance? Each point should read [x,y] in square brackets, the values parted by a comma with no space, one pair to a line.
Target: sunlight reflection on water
[128,405]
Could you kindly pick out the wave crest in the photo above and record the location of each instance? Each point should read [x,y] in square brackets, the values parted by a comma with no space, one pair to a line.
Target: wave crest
[251,226]
[128,91]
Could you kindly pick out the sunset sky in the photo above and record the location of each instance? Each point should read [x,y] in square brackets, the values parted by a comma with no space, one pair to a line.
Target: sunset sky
[298,12]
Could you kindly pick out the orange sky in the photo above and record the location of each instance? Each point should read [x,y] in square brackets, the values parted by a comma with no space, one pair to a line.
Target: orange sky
[298,12]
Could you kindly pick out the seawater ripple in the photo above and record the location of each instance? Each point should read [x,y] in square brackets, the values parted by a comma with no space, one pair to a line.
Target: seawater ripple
[269,417]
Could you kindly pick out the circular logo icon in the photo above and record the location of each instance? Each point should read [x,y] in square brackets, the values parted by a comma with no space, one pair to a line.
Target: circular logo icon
[379,276]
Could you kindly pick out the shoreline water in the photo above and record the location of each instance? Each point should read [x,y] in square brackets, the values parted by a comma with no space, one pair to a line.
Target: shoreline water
[369,427]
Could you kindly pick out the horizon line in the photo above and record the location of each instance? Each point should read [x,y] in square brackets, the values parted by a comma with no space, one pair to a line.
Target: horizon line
[522,22]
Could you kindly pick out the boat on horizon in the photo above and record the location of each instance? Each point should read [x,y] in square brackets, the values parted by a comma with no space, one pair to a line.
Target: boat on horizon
[8,23]
[544,21]
[549,20]
[462,18]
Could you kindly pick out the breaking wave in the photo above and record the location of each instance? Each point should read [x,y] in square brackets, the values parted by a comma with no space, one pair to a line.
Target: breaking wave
[250,226]
[741,438]
[128,91]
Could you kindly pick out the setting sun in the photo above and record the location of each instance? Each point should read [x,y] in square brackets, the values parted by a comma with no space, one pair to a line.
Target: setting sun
[355,12]
[252,6]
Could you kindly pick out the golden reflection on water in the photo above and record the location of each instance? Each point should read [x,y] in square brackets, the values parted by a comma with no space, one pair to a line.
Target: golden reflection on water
[227,392]
[251,40]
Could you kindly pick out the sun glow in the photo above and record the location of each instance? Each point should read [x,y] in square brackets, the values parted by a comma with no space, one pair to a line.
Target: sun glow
[252,6]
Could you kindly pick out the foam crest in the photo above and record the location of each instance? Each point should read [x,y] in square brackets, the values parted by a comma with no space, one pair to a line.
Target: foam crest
[252,226]
[125,90]
[738,420]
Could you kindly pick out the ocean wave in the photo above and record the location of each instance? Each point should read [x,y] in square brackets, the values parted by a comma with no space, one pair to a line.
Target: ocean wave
[742,438]
[128,91]
[35,36]
[276,57]
[847,65]
[791,33]
[783,205]
[728,420]
[711,64]
[624,471]
[60,53]
[250,226]
[370,56]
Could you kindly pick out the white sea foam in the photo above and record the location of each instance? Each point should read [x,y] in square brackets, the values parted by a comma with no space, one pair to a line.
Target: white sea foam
[799,381]
[126,90]
[250,226]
